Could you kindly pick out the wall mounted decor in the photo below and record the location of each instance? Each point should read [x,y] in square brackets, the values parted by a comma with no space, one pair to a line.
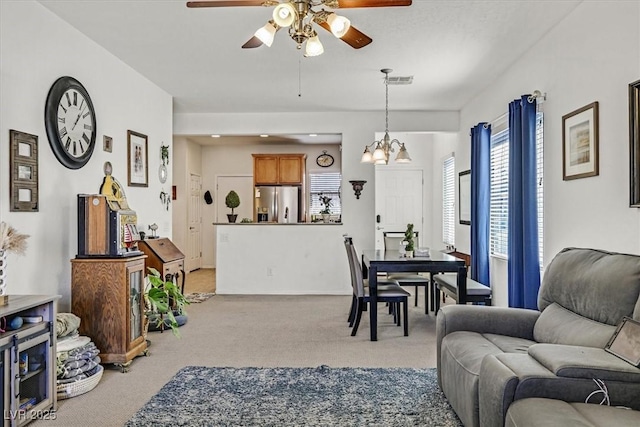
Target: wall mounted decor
[23,186]
[70,122]
[358,185]
[464,197]
[634,144]
[107,143]
[137,159]
[580,143]
[163,173]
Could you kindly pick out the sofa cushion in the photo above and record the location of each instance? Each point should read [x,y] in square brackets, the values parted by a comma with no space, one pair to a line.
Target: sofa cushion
[599,285]
[557,325]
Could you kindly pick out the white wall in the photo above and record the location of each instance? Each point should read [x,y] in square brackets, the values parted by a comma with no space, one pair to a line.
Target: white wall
[36,48]
[592,55]
[187,159]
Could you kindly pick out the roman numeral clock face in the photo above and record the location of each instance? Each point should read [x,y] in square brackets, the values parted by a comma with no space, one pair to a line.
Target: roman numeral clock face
[70,122]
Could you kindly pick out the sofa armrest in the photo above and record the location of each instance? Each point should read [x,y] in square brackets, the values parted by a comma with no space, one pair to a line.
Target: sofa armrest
[514,322]
[583,362]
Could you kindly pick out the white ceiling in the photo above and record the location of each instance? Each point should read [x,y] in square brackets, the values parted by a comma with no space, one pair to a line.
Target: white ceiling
[452,48]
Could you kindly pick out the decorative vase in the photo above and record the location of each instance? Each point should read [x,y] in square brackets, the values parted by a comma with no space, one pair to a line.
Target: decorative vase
[232,218]
[326,217]
[3,276]
[409,254]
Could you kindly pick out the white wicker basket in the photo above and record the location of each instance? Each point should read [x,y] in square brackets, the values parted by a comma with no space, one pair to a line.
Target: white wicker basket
[66,391]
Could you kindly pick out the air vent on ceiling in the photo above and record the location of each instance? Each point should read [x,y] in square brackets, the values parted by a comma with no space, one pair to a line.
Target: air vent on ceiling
[400,80]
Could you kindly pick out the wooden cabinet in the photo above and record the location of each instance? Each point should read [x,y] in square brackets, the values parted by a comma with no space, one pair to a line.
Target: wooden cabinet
[279,169]
[28,360]
[107,295]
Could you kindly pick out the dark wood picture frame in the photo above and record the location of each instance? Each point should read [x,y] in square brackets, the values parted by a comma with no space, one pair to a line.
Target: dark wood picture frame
[634,144]
[137,159]
[464,197]
[580,143]
[23,161]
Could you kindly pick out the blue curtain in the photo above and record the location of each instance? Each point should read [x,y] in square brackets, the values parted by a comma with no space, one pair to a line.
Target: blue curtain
[523,264]
[480,201]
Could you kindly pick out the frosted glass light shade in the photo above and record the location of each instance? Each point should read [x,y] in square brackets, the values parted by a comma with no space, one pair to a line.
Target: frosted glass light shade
[339,25]
[378,154]
[284,14]
[403,155]
[266,34]
[367,157]
[314,47]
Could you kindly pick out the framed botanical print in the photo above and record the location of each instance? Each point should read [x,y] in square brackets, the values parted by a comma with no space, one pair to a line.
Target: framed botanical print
[23,158]
[137,159]
[580,143]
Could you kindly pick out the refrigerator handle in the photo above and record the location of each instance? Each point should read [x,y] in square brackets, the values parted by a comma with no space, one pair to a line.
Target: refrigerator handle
[275,205]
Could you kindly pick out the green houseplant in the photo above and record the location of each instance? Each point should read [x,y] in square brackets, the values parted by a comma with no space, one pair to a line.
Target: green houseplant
[326,211]
[164,302]
[408,237]
[232,201]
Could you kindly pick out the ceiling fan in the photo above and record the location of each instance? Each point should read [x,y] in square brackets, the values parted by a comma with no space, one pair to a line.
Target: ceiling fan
[299,16]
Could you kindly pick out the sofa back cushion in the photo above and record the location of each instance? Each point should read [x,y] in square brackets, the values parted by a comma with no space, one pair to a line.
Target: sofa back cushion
[557,325]
[599,285]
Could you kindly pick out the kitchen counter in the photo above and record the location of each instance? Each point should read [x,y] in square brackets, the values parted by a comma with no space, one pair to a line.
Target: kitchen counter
[281,259]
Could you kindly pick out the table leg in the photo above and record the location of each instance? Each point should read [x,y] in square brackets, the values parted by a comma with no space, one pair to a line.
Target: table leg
[373,302]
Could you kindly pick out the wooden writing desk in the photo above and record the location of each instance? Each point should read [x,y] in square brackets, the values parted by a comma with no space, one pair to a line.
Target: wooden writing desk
[165,257]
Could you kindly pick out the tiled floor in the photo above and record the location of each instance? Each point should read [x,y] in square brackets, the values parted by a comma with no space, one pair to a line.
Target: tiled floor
[202,281]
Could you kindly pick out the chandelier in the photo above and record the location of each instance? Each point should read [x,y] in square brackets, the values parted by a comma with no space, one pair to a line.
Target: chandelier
[384,147]
[299,17]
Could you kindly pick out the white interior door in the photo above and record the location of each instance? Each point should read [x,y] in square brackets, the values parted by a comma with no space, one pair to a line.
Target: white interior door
[398,201]
[194,257]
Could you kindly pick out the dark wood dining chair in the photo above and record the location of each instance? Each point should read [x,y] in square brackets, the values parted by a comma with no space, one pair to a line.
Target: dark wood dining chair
[387,292]
[392,241]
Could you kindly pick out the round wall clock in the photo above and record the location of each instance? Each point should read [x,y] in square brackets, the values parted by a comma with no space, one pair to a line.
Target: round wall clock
[324,160]
[70,122]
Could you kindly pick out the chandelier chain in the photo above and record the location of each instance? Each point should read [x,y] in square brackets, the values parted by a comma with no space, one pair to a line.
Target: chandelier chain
[386,107]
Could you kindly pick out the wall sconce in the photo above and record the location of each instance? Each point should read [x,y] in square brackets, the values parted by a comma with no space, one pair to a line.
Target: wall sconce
[357,187]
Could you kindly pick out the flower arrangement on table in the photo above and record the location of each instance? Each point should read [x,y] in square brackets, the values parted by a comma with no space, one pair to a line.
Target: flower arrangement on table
[326,201]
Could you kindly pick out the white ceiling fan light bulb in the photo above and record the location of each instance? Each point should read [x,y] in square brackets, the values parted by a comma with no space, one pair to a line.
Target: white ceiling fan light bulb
[266,34]
[339,25]
[284,14]
[314,47]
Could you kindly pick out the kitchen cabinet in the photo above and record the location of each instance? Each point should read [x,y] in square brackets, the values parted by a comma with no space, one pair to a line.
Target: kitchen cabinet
[279,169]
[107,295]
[27,360]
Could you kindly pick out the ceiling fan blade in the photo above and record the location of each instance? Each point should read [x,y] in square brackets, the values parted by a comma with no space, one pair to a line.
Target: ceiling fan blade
[354,37]
[346,4]
[253,42]
[222,3]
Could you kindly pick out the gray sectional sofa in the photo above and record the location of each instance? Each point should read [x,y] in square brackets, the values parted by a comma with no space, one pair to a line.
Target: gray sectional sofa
[489,357]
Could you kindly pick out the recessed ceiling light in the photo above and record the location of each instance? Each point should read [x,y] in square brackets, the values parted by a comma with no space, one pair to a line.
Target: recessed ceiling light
[313,134]
[264,136]
[215,136]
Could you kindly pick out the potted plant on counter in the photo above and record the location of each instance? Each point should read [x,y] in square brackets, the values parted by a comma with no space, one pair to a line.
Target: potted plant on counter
[326,212]
[232,201]
[408,237]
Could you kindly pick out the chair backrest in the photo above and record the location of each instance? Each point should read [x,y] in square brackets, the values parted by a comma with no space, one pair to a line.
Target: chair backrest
[392,239]
[357,282]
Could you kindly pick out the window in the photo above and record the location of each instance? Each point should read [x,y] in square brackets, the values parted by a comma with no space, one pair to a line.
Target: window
[448,200]
[327,183]
[498,220]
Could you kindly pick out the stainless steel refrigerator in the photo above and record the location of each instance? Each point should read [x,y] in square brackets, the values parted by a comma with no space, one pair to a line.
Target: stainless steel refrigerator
[280,204]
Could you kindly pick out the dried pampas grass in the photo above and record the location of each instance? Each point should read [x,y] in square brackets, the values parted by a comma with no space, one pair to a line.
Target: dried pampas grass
[11,240]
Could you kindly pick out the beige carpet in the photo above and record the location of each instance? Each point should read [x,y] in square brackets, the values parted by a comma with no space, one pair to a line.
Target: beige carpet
[252,331]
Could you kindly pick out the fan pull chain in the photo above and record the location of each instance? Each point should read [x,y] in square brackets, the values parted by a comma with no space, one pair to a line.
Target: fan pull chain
[299,78]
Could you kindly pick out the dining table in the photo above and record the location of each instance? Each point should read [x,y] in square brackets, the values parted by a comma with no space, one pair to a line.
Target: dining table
[388,261]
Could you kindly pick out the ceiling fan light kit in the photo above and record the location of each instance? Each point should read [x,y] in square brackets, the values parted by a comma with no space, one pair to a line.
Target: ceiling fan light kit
[299,17]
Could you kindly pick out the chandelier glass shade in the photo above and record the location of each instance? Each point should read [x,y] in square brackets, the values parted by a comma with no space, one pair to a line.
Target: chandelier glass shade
[384,147]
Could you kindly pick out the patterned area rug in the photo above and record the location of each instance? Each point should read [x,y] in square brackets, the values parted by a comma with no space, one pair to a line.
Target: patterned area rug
[198,297]
[323,396]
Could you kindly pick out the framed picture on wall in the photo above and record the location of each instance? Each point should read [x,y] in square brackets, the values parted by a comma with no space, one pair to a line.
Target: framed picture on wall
[464,197]
[634,144]
[580,143]
[23,159]
[137,159]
